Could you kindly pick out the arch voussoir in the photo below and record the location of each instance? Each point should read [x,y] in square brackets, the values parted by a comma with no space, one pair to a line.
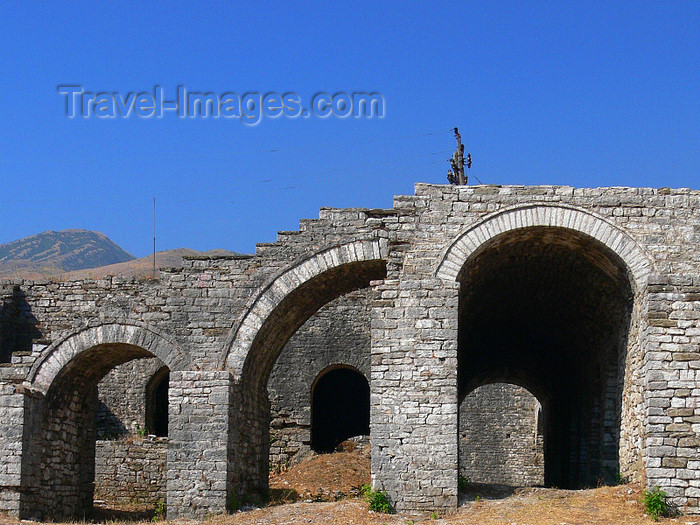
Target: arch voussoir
[56,356]
[545,215]
[276,290]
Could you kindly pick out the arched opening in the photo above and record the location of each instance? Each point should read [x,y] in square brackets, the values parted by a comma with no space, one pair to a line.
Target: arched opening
[501,439]
[65,430]
[278,325]
[339,407]
[551,307]
[157,403]
[339,332]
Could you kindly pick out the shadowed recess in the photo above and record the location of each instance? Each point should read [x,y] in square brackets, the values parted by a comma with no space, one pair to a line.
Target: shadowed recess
[549,309]
[339,408]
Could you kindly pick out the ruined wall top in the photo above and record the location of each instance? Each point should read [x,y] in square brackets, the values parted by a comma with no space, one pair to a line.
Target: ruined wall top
[202,306]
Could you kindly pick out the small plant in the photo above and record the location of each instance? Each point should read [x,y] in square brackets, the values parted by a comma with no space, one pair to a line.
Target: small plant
[655,503]
[378,499]
[434,515]
[621,480]
[141,431]
[159,511]
[462,483]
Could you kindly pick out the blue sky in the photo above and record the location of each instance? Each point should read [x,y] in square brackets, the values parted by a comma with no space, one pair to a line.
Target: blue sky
[578,93]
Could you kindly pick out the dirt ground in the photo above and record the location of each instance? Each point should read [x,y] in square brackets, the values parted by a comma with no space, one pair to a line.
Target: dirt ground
[307,494]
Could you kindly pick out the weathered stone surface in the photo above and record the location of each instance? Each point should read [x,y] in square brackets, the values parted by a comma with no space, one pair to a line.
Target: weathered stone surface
[234,315]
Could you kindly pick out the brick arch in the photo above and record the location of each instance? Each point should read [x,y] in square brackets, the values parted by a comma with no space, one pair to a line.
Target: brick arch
[273,295]
[621,243]
[55,357]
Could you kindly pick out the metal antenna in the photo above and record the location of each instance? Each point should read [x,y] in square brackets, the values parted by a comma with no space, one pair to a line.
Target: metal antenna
[154,237]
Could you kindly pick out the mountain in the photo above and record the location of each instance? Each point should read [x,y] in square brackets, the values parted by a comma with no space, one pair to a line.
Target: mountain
[56,252]
[82,254]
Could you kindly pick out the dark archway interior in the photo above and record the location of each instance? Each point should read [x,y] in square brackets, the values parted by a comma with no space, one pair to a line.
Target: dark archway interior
[63,444]
[339,408]
[288,316]
[549,309]
[157,403]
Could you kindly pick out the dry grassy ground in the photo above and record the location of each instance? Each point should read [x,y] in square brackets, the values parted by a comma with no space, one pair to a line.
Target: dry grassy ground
[331,476]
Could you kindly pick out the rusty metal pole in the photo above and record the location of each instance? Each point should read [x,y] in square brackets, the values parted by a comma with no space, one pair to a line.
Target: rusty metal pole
[459,154]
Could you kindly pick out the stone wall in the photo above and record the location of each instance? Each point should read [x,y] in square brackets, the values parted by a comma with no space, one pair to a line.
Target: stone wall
[673,388]
[131,470]
[338,334]
[499,420]
[199,481]
[414,393]
[236,314]
[499,438]
[123,397]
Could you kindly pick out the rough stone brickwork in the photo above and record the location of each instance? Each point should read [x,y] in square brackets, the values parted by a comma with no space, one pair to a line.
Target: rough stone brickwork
[499,438]
[500,420]
[198,447]
[131,470]
[673,389]
[337,335]
[414,393]
[631,383]
[122,398]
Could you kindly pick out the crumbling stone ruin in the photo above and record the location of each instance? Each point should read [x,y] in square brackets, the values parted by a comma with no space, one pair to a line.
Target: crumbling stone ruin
[588,299]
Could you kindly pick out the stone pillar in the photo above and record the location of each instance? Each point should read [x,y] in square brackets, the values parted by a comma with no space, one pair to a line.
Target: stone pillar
[413,400]
[672,365]
[199,480]
[11,431]
[21,412]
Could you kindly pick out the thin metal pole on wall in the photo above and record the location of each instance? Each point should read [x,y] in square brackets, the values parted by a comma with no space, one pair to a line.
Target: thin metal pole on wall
[154,237]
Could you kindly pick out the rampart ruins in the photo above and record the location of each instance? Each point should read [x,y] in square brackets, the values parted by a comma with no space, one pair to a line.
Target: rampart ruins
[575,311]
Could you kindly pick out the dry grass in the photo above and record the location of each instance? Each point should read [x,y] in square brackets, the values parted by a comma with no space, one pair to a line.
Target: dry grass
[324,477]
[329,476]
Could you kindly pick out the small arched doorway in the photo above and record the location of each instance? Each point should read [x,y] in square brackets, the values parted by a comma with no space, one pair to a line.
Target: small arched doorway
[501,436]
[339,407]
[157,403]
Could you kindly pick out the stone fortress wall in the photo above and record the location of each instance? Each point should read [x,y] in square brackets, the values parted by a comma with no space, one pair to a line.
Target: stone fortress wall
[468,286]
[498,431]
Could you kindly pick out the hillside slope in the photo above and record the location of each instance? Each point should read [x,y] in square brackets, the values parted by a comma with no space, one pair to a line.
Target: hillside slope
[55,252]
[142,266]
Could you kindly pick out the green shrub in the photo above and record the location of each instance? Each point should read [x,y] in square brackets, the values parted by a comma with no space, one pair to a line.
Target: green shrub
[159,514]
[378,499]
[655,503]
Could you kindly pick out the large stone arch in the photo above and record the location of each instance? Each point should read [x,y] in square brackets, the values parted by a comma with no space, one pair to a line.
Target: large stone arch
[273,315]
[58,465]
[453,259]
[302,273]
[531,277]
[56,356]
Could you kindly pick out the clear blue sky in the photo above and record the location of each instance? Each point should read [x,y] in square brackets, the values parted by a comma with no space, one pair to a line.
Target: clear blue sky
[577,93]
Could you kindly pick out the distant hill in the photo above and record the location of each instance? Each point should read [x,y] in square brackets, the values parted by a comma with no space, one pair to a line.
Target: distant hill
[82,254]
[57,252]
[142,266]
